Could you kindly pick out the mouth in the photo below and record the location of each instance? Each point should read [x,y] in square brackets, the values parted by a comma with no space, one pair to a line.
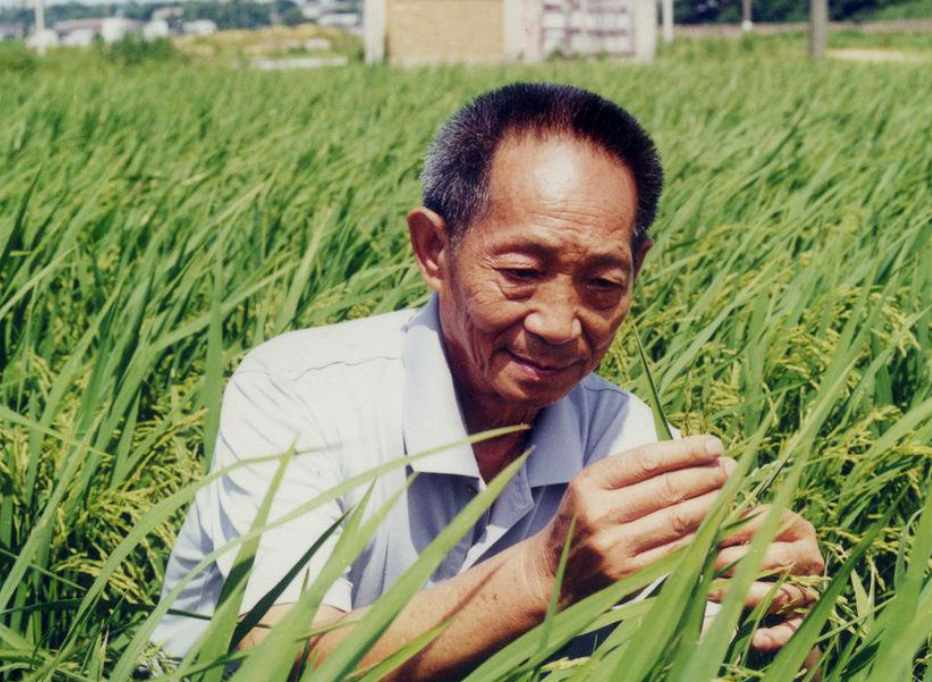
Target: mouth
[538,369]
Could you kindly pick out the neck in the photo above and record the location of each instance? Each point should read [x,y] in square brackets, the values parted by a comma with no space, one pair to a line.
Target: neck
[482,413]
[484,410]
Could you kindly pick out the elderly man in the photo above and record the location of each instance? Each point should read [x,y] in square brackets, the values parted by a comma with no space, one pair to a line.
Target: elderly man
[537,202]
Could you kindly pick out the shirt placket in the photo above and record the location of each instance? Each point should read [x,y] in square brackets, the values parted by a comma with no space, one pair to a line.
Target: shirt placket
[511,506]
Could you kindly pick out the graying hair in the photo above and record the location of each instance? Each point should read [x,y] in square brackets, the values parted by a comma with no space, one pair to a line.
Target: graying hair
[458,163]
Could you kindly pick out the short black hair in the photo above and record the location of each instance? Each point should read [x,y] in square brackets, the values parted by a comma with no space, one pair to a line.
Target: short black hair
[458,163]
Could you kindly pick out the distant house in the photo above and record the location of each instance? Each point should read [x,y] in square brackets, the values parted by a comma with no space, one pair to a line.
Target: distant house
[348,21]
[10,30]
[199,27]
[418,31]
[116,28]
[167,13]
[342,14]
[172,16]
[155,29]
[81,37]
[82,32]
[78,32]
[43,39]
[312,11]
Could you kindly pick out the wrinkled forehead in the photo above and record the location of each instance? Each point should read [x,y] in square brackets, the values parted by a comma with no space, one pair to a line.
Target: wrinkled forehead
[551,179]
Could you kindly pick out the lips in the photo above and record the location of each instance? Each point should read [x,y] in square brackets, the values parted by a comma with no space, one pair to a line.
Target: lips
[542,367]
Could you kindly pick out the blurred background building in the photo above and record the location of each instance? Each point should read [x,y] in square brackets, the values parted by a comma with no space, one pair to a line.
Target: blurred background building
[423,31]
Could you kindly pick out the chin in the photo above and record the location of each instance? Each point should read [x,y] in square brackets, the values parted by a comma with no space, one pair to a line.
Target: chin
[535,396]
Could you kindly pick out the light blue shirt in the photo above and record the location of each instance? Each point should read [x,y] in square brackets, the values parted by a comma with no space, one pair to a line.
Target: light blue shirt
[359,394]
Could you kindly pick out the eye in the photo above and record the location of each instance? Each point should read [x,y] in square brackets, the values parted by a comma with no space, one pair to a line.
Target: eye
[522,275]
[605,284]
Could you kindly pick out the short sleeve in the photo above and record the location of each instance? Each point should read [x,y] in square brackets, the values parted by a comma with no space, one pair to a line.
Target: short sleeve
[618,421]
[260,416]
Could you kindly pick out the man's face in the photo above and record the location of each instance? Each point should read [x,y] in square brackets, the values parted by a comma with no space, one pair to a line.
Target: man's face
[537,287]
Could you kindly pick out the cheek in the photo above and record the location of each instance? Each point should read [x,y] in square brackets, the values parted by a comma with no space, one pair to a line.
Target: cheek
[601,330]
[489,319]
[488,311]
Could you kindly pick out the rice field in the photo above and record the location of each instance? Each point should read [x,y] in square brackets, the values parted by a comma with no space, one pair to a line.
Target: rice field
[156,223]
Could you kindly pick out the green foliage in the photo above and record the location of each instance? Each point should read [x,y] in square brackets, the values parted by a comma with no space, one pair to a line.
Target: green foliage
[23,13]
[292,16]
[776,11]
[235,14]
[156,224]
[133,50]
[911,9]
[16,58]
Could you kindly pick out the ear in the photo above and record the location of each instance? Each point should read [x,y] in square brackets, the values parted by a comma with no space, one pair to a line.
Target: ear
[641,255]
[431,245]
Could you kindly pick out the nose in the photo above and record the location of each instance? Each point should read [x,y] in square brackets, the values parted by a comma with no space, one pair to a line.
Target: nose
[555,319]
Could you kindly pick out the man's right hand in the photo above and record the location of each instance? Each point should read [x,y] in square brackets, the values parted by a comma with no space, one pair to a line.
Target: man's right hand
[631,510]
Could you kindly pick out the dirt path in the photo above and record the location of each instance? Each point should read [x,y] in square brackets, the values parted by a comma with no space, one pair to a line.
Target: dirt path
[878,55]
[874,27]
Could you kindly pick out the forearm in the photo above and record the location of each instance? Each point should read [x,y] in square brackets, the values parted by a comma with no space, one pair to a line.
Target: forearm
[486,606]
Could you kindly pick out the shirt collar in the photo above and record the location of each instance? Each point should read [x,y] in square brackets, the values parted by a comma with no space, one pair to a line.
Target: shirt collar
[432,417]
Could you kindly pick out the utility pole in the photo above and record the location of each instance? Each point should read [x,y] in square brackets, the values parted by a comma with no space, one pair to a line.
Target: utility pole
[667,21]
[40,27]
[746,23]
[818,28]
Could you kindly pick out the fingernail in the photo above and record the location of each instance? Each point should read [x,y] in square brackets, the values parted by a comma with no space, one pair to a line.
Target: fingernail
[714,446]
[729,464]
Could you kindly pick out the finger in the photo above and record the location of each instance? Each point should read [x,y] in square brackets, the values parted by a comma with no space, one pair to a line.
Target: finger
[668,524]
[654,554]
[776,637]
[792,526]
[787,598]
[794,558]
[653,459]
[751,522]
[670,489]
[812,660]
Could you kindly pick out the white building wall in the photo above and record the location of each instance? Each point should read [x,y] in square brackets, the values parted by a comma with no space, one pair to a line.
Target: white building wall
[43,39]
[199,27]
[375,25]
[82,37]
[645,30]
[590,27]
[158,28]
[534,29]
[113,29]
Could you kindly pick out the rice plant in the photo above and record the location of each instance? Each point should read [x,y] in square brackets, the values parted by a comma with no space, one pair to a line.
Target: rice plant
[157,223]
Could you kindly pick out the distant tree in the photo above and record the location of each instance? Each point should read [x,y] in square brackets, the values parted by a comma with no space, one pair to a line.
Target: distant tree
[729,11]
[133,50]
[247,14]
[293,16]
[75,10]
[56,12]
[855,9]
[236,14]
[140,11]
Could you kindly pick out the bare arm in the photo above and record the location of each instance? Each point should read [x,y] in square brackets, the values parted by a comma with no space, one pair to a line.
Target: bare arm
[630,511]
[488,606]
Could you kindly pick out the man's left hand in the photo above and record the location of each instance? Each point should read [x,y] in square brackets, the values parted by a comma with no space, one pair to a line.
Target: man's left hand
[794,551]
